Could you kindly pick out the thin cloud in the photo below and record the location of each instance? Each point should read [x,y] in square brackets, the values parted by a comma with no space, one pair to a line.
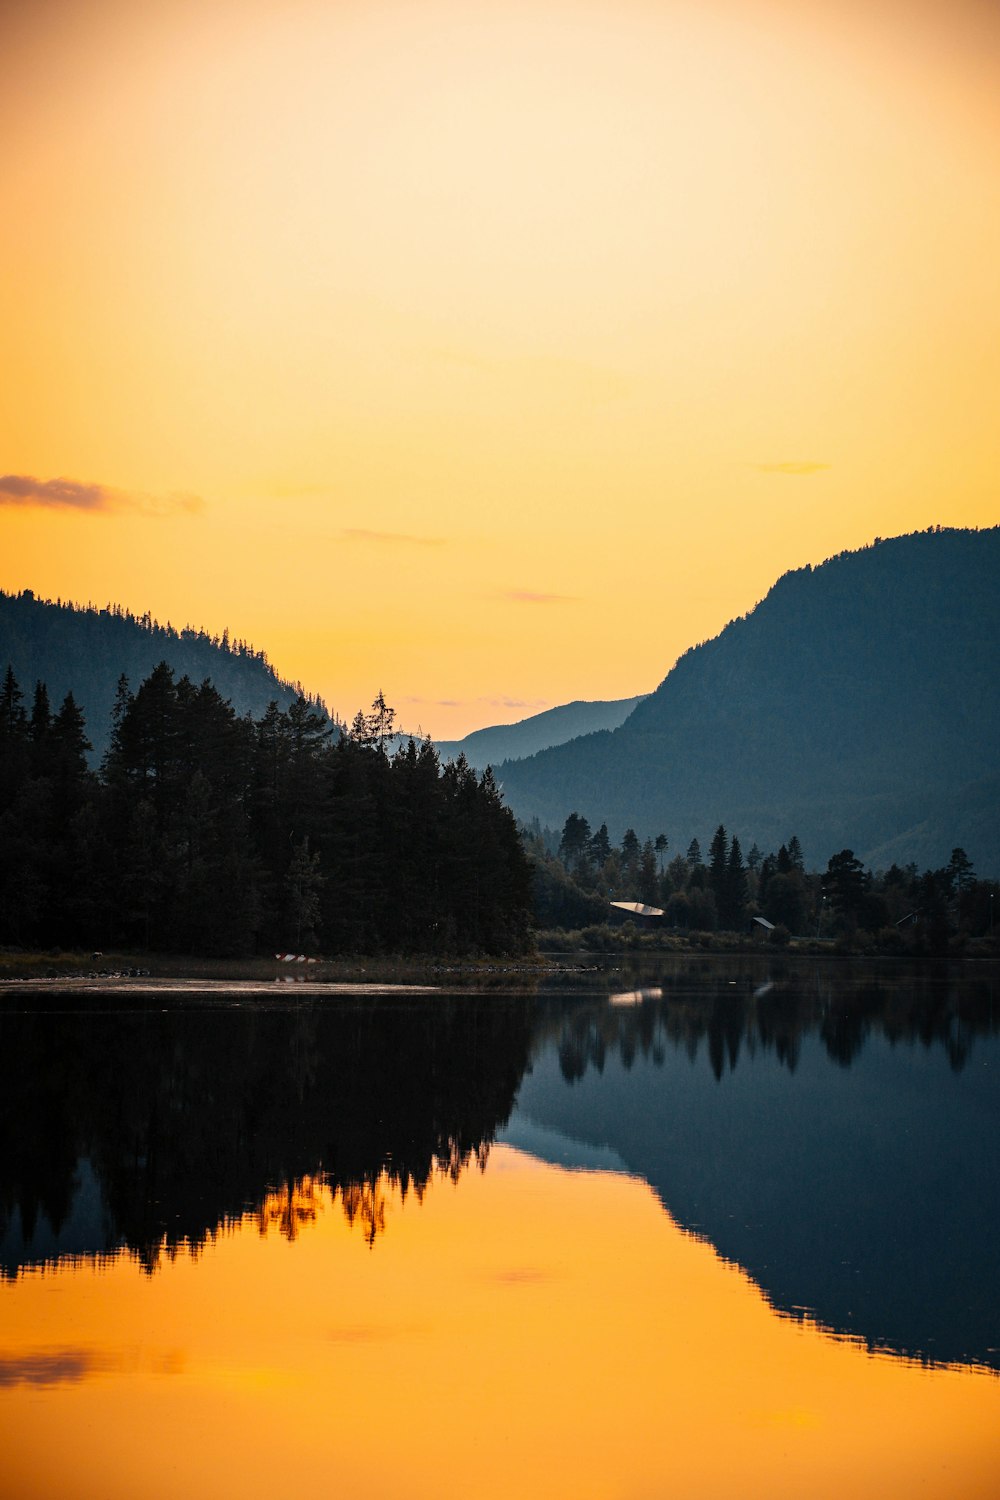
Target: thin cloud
[437,702]
[522,1276]
[528,596]
[75,494]
[515,702]
[791,466]
[390,538]
[49,1367]
[498,702]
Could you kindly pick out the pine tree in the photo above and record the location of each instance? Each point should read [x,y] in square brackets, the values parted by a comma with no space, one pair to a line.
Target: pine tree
[631,850]
[600,846]
[303,886]
[13,741]
[574,846]
[736,888]
[959,870]
[844,884]
[718,862]
[12,720]
[647,885]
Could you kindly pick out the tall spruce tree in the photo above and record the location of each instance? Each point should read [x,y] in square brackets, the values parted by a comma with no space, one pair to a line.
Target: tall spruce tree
[718,865]
[736,888]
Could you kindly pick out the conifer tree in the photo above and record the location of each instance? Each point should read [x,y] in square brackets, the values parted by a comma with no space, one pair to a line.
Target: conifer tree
[39,732]
[600,846]
[574,846]
[736,887]
[718,861]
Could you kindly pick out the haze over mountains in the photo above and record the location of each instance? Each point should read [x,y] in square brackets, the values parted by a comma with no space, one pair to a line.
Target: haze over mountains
[857,706]
[554,726]
[84,650]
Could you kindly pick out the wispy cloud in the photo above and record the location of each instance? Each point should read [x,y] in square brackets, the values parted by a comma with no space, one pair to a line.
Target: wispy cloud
[791,466]
[389,538]
[49,1367]
[437,702]
[528,596]
[75,494]
[522,1276]
[515,702]
[503,701]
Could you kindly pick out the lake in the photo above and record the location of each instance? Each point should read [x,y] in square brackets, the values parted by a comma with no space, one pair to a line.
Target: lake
[697,1227]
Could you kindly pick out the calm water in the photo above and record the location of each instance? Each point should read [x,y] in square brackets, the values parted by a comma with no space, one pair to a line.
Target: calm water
[707,1228]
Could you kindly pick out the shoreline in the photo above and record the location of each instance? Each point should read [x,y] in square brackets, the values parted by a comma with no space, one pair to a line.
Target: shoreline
[363,973]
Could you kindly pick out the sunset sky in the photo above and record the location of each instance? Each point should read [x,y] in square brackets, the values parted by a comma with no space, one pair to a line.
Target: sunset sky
[489,353]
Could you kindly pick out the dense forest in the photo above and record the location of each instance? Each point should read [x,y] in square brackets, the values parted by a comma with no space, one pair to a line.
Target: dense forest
[859,704]
[83,650]
[721,888]
[209,833]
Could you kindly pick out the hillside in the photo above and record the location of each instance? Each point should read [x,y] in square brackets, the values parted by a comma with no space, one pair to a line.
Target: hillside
[84,650]
[857,705]
[499,742]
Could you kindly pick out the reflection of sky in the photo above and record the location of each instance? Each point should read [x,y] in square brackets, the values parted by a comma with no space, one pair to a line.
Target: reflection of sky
[869,1194]
[525,1331]
[84,1231]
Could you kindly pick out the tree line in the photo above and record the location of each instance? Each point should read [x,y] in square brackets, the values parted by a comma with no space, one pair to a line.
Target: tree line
[204,832]
[83,648]
[579,871]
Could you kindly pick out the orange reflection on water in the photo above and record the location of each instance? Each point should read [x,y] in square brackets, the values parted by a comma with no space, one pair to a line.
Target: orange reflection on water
[524,1332]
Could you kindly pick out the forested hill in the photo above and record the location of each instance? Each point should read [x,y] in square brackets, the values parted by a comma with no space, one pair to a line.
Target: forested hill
[84,650]
[554,726]
[858,706]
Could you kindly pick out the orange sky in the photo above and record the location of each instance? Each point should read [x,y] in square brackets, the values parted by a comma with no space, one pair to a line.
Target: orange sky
[489,353]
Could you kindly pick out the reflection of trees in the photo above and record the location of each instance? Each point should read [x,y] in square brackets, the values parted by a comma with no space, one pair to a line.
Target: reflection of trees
[193,1118]
[290,1207]
[364,1204]
[719,1011]
[190,1120]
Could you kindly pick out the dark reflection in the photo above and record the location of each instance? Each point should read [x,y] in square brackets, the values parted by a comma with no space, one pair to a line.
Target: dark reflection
[721,1009]
[833,1128]
[834,1131]
[151,1128]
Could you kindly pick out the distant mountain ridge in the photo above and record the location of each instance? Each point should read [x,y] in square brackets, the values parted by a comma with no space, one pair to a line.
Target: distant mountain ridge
[84,650]
[554,726]
[858,705]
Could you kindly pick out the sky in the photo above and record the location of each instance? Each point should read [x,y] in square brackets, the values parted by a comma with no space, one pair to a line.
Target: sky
[487,353]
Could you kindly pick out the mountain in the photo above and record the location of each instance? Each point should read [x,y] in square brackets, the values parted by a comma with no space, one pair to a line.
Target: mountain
[83,650]
[499,742]
[857,705]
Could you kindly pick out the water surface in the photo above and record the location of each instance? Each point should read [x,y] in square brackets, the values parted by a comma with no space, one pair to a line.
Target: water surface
[711,1228]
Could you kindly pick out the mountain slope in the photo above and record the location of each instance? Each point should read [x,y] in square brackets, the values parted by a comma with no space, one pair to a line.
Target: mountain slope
[84,650]
[857,705]
[498,742]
